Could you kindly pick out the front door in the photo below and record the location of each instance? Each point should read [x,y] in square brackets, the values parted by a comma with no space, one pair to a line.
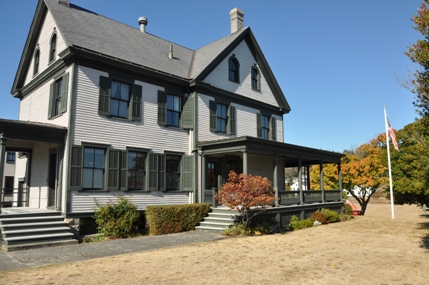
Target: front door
[52,179]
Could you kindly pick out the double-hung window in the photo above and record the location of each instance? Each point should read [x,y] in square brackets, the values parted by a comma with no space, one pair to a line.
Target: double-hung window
[120,99]
[172,172]
[256,85]
[222,118]
[53,47]
[136,170]
[10,157]
[93,168]
[234,68]
[266,127]
[58,96]
[174,109]
[36,61]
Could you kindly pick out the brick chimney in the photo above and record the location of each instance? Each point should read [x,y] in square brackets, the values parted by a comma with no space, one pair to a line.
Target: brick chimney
[64,2]
[237,20]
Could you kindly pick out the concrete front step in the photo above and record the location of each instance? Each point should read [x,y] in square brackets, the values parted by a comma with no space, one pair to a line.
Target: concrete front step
[30,232]
[6,221]
[218,219]
[32,225]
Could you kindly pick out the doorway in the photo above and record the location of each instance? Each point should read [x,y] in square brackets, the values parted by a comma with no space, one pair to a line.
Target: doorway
[52,180]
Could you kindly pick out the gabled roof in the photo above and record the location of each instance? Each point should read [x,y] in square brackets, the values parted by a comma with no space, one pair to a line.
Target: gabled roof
[88,31]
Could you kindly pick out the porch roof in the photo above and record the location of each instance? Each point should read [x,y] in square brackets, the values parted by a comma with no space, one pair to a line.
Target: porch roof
[252,145]
[32,131]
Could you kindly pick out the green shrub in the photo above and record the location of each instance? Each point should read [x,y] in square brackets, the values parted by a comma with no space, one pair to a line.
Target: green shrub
[237,230]
[320,217]
[297,224]
[331,216]
[117,220]
[344,217]
[168,219]
[307,223]
[348,210]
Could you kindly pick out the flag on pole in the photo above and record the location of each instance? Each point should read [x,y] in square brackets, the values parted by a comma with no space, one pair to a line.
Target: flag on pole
[392,135]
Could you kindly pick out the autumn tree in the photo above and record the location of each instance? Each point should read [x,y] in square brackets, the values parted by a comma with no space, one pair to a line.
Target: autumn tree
[330,177]
[410,169]
[363,171]
[244,192]
[419,81]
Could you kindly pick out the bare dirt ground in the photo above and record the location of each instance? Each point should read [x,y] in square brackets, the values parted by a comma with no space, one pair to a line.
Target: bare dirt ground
[373,249]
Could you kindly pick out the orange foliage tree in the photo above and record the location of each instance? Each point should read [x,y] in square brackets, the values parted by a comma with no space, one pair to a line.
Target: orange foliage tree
[245,191]
[330,177]
[364,171]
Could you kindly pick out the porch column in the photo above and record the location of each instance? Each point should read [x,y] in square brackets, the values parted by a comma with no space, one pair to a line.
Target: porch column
[203,178]
[245,171]
[340,180]
[276,180]
[301,194]
[3,142]
[307,169]
[322,182]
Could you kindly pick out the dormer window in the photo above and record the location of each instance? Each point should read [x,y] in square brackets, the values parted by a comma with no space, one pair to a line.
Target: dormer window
[256,82]
[53,49]
[234,69]
[36,61]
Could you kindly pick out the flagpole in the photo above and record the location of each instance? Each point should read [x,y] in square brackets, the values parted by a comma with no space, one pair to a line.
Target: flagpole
[388,160]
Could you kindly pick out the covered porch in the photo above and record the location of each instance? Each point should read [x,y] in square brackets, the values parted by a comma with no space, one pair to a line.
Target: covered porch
[266,158]
[39,151]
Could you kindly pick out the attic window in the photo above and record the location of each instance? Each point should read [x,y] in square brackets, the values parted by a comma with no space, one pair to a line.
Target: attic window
[233,69]
[53,49]
[36,61]
[256,82]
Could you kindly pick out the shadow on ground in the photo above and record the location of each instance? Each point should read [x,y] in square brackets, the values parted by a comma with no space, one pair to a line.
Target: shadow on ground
[425,238]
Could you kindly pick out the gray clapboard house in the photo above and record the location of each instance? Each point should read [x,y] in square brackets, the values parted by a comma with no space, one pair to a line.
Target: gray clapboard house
[108,109]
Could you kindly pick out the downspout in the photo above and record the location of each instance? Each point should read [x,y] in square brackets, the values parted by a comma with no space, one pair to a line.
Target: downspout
[70,133]
[3,142]
[195,148]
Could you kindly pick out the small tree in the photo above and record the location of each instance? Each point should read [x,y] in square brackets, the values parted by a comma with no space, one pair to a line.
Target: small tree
[243,192]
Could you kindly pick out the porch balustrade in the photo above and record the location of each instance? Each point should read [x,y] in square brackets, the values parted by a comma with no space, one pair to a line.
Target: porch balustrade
[17,197]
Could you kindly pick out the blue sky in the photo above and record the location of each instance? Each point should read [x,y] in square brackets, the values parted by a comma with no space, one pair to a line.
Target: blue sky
[335,60]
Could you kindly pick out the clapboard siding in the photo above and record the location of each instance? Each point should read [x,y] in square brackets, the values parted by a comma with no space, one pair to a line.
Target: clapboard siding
[44,42]
[245,119]
[34,106]
[219,77]
[260,165]
[120,133]
[85,202]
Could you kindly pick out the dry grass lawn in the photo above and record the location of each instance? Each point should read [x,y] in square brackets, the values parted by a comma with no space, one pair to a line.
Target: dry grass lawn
[373,249]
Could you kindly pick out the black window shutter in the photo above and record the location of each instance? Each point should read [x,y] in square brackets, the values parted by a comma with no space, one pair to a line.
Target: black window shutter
[188,113]
[104,96]
[162,108]
[135,107]
[162,173]
[187,173]
[123,175]
[259,125]
[76,166]
[64,93]
[213,116]
[152,170]
[273,129]
[232,122]
[113,172]
[51,100]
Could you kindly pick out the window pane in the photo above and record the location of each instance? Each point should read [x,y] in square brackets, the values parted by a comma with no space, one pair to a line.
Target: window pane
[99,158]
[176,103]
[88,157]
[98,178]
[131,160]
[175,119]
[87,178]
[170,102]
[139,180]
[114,107]
[125,92]
[123,109]
[116,90]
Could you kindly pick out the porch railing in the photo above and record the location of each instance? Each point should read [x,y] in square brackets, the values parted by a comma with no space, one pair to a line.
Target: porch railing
[309,196]
[16,197]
